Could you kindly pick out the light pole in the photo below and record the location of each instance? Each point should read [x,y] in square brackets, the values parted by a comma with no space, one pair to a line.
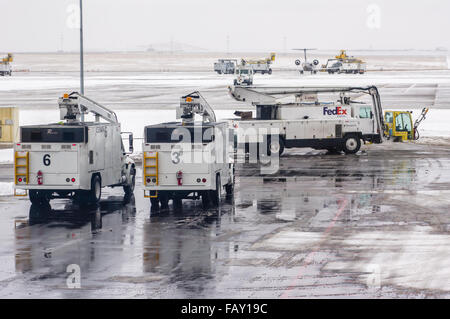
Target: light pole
[81,49]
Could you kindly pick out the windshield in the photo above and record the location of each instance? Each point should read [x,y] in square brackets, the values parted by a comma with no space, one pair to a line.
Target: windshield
[176,135]
[403,122]
[53,135]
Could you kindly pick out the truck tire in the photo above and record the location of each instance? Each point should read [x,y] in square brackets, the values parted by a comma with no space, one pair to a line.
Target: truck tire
[154,204]
[95,193]
[177,203]
[276,147]
[270,71]
[215,194]
[38,197]
[229,189]
[351,144]
[129,189]
[164,201]
[205,200]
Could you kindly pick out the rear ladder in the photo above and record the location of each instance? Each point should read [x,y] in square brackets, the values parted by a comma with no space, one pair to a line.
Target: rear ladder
[151,170]
[21,169]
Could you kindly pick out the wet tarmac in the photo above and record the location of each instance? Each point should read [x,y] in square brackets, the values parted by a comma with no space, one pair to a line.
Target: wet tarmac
[376,224]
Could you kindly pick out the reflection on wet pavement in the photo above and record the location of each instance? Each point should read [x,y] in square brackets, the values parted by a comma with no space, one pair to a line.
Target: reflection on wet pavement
[371,225]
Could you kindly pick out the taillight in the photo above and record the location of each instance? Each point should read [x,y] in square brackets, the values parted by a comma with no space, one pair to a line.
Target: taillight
[73,180]
[39,178]
[20,180]
[204,180]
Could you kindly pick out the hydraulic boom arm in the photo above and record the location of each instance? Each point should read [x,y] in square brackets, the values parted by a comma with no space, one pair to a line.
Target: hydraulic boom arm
[73,106]
[195,103]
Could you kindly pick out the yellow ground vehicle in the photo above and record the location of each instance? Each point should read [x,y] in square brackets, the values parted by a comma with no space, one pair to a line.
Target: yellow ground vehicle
[400,127]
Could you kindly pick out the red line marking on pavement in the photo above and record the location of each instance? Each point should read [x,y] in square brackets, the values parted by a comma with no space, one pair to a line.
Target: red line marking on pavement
[309,258]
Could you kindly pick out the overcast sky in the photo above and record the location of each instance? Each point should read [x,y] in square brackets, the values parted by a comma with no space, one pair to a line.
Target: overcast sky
[252,25]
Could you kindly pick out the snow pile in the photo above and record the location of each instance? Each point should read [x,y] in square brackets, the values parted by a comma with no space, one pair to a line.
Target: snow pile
[6,156]
[6,189]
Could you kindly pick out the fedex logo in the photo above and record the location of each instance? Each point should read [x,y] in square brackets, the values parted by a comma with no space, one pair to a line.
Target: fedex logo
[337,111]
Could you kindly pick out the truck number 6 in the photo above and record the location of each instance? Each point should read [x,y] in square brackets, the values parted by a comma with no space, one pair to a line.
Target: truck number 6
[46,160]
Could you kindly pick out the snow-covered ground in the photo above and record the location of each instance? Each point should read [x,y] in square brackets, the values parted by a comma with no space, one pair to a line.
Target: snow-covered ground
[6,189]
[6,156]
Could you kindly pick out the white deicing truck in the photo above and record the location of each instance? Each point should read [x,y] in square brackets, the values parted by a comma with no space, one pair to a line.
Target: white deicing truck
[225,66]
[339,124]
[74,158]
[188,159]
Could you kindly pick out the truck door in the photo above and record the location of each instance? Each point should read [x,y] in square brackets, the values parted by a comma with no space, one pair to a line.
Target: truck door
[366,120]
[99,151]
[403,125]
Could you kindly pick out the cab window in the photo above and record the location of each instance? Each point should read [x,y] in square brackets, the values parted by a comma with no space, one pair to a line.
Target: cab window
[365,112]
[389,117]
[403,122]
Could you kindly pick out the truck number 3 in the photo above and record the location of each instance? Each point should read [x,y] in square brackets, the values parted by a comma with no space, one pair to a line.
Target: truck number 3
[46,160]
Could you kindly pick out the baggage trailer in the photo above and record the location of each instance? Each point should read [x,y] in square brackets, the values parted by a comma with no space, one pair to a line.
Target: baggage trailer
[336,125]
[73,158]
[187,159]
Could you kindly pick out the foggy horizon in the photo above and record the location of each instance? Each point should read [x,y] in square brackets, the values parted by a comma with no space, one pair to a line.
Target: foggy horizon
[250,26]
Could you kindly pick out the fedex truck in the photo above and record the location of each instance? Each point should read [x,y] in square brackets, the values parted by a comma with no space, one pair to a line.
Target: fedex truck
[336,125]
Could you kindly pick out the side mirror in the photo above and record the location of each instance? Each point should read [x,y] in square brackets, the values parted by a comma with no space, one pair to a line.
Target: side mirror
[130,141]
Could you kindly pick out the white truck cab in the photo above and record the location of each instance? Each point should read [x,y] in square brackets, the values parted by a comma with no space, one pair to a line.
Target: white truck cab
[338,124]
[187,159]
[244,75]
[73,158]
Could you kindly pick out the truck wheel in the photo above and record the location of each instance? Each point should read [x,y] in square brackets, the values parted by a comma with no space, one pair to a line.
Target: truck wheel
[270,71]
[215,194]
[96,190]
[38,197]
[205,200]
[352,144]
[155,204]
[276,147]
[177,203]
[229,188]
[129,189]
[164,201]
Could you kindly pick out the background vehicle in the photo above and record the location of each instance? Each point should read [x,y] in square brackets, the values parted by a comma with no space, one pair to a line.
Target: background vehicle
[244,75]
[400,127]
[73,158]
[343,63]
[260,66]
[225,66]
[5,65]
[336,125]
[187,159]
